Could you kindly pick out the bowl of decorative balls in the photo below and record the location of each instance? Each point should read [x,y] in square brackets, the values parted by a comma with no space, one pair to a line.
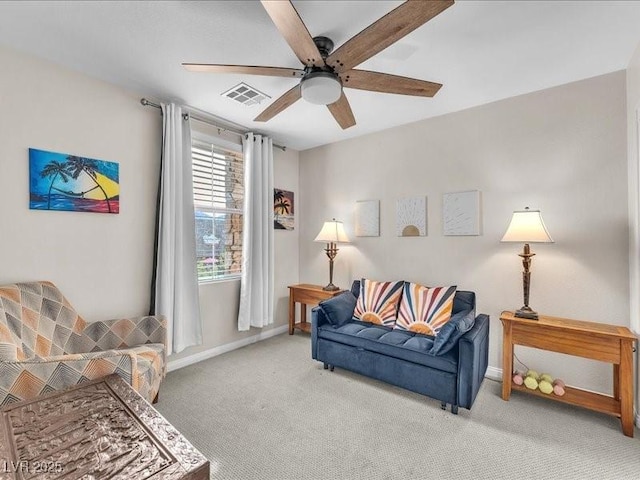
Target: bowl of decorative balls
[543,382]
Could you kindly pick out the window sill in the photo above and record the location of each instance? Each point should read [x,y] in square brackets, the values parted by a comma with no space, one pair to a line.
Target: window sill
[218,280]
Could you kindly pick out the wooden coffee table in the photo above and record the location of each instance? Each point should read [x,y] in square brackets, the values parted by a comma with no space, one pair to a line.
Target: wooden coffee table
[99,429]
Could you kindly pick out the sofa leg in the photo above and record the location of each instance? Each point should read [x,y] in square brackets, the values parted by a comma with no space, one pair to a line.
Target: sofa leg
[454,409]
[443,405]
[326,366]
[155,399]
[331,368]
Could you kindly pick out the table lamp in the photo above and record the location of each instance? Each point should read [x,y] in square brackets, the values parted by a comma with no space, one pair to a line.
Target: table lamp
[332,232]
[527,227]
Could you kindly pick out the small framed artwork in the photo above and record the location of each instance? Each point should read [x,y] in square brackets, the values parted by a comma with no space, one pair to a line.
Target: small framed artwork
[61,181]
[411,217]
[367,218]
[461,213]
[283,209]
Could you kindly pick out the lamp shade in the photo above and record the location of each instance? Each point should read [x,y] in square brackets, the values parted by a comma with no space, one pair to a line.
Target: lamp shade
[527,227]
[321,88]
[332,231]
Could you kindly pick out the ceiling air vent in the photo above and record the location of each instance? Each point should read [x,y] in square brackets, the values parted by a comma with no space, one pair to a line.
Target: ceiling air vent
[245,94]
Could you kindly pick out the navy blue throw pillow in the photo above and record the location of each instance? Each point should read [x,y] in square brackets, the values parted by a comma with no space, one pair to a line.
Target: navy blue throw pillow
[355,288]
[339,309]
[451,332]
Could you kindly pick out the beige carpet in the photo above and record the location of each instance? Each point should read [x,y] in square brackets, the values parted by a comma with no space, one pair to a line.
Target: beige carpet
[267,411]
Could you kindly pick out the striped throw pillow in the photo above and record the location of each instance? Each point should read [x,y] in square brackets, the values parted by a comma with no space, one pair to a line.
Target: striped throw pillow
[425,310]
[378,302]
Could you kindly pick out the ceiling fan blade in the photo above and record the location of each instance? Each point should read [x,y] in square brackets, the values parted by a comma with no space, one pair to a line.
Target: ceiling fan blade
[386,83]
[244,69]
[341,111]
[285,101]
[294,31]
[385,31]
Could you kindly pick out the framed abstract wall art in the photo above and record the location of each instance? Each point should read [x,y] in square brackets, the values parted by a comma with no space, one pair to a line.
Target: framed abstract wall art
[61,181]
[461,213]
[283,213]
[367,218]
[411,217]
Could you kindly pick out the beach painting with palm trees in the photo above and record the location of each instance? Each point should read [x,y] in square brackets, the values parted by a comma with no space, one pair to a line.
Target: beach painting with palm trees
[283,218]
[59,181]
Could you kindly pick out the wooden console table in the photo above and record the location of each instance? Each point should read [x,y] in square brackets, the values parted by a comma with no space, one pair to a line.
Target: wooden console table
[101,430]
[596,341]
[305,294]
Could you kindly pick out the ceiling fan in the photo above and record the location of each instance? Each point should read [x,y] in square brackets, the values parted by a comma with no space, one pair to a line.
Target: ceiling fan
[326,72]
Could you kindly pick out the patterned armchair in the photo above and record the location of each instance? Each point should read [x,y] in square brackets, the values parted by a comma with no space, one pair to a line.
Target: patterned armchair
[45,345]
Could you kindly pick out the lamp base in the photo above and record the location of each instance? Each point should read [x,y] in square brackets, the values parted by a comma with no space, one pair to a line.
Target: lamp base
[526,312]
[330,288]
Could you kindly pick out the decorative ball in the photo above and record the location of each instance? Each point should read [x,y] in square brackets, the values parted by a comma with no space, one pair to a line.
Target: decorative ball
[533,374]
[559,382]
[558,390]
[530,382]
[517,379]
[545,387]
[546,377]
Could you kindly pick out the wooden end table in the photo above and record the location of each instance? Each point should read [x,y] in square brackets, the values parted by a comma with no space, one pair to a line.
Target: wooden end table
[597,341]
[305,294]
[100,429]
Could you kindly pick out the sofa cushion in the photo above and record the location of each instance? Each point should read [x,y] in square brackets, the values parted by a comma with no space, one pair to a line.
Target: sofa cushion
[395,343]
[378,302]
[451,332]
[339,309]
[425,309]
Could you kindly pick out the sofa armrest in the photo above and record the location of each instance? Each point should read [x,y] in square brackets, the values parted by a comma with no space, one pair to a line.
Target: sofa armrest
[335,311]
[112,355]
[318,318]
[63,371]
[473,359]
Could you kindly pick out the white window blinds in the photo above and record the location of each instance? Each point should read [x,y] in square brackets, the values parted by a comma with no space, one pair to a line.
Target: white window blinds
[218,194]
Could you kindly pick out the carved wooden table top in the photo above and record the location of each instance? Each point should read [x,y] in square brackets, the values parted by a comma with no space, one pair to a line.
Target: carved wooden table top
[97,430]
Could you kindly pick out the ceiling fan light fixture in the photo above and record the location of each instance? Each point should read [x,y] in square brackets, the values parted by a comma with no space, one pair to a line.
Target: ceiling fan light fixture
[321,88]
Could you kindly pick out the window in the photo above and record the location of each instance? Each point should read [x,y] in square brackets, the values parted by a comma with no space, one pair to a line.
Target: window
[218,194]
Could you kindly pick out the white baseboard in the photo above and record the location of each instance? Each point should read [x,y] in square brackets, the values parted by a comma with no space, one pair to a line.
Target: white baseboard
[494,373]
[219,350]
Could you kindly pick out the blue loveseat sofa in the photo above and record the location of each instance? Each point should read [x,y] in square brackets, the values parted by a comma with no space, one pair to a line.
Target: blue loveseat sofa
[448,369]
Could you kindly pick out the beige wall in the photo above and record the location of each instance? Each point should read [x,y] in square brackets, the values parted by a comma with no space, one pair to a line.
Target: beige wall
[103,262]
[633,111]
[562,150]
[633,129]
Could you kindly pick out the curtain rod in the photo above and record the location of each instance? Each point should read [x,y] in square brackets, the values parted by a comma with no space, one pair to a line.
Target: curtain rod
[200,118]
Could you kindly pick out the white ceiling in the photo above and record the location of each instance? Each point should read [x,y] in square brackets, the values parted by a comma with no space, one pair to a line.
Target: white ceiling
[482,51]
